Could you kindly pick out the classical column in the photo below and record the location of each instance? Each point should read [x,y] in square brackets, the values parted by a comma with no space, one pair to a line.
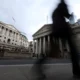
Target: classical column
[39,46]
[60,46]
[3,31]
[18,36]
[36,46]
[48,43]
[12,34]
[15,35]
[0,30]
[44,46]
[33,46]
[32,54]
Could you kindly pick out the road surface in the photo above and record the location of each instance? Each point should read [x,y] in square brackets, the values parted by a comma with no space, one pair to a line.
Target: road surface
[32,61]
[21,70]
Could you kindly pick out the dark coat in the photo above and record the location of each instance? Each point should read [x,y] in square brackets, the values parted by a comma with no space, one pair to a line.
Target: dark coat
[60,28]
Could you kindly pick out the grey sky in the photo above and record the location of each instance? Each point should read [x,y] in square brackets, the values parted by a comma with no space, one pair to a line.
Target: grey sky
[30,15]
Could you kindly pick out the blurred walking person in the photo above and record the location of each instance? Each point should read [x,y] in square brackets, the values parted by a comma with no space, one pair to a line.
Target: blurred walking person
[61,29]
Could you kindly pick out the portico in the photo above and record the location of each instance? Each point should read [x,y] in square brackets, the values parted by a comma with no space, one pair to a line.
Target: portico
[42,38]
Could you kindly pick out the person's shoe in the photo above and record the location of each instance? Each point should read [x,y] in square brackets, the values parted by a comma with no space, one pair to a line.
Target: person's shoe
[76,74]
[42,77]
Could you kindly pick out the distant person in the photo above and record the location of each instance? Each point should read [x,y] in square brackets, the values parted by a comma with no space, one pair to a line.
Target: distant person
[61,29]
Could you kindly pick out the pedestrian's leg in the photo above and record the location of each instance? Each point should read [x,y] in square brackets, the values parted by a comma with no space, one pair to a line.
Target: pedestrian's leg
[74,57]
[38,68]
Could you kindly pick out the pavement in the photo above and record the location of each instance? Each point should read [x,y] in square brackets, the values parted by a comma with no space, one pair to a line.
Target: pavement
[58,71]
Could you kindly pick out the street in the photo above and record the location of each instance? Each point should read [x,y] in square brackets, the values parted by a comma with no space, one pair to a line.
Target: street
[61,70]
[24,72]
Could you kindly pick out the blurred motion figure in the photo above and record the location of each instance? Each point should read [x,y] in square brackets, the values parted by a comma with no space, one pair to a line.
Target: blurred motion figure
[61,29]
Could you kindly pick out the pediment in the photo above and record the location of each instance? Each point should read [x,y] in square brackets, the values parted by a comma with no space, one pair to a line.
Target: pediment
[43,29]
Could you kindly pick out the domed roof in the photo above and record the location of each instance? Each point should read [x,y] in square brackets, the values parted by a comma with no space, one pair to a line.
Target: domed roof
[24,36]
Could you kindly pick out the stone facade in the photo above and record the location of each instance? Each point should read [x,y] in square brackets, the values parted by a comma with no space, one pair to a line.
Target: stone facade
[30,47]
[42,39]
[9,35]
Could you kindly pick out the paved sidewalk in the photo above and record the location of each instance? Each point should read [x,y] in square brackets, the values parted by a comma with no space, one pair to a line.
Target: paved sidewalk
[24,72]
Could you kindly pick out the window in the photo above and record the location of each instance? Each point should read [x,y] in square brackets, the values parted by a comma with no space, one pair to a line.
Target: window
[6,29]
[4,37]
[2,27]
[4,41]
[10,33]
[8,41]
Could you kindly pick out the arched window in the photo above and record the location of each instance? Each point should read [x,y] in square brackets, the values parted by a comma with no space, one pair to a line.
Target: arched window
[8,41]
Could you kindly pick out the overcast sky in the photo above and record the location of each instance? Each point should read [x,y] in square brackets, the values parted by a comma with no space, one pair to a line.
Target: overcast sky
[30,15]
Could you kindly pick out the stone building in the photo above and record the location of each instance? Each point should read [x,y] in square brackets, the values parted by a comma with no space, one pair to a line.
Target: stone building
[42,40]
[11,37]
[30,47]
